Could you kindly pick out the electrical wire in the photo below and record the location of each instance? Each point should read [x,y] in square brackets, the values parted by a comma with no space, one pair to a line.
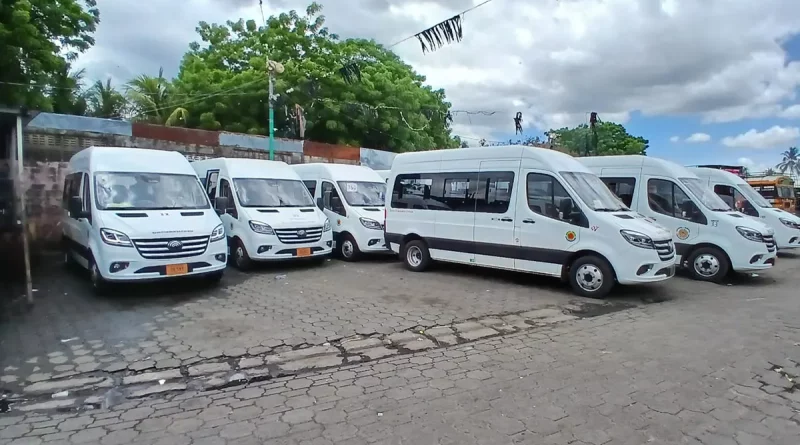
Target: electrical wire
[459,14]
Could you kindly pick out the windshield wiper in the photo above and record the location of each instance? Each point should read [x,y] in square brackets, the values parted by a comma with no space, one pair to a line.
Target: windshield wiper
[605,209]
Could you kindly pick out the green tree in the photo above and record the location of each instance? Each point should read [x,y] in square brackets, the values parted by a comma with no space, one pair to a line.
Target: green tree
[612,139]
[153,100]
[67,94]
[38,38]
[387,108]
[790,162]
[105,101]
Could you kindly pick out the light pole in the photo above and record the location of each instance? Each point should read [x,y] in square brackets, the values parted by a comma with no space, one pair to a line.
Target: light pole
[273,68]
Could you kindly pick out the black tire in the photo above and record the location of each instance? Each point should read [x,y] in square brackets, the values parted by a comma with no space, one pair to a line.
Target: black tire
[591,276]
[415,256]
[347,248]
[99,285]
[241,259]
[708,264]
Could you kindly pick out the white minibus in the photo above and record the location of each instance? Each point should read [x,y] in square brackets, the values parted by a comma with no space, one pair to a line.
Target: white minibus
[267,211]
[133,214]
[521,208]
[739,195]
[383,174]
[710,238]
[352,197]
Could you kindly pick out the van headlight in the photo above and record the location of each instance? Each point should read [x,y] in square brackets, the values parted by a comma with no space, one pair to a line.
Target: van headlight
[370,223]
[327,226]
[115,238]
[261,228]
[752,235]
[218,233]
[788,223]
[637,239]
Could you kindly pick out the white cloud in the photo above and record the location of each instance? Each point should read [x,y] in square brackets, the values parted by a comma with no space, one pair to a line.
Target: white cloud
[698,138]
[790,112]
[752,166]
[774,137]
[553,60]
[674,139]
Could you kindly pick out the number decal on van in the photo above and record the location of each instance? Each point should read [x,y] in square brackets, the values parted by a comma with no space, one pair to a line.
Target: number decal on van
[594,228]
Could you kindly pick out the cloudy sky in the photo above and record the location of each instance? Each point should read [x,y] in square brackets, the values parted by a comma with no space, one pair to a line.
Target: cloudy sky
[704,80]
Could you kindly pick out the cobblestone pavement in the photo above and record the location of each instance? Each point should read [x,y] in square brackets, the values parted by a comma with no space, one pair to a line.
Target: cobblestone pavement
[714,365]
[73,340]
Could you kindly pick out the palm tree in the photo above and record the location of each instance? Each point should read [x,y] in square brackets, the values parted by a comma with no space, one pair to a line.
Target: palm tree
[153,100]
[68,95]
[105,101]
[791,162]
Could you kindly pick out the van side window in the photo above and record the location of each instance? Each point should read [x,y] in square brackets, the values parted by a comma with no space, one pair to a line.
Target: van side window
[226,191]
[311,186]
[546,196]
[457,192]
[494,192]
[72,188]
[413,191]
[211,183]
[622,187]
[667,198]
[735,200]
[328,202]
[87,200]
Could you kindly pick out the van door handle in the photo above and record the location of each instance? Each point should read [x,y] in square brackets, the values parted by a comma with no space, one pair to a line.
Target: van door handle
[506,219]
[529,221]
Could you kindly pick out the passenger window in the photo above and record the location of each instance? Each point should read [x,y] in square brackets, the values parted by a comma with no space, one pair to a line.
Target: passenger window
[546,196]
[72,188]
[494,192]
[311,186]
[87,200]
[667,198]
[211,183]
[735,200]
[623,188]
[413,192]
[331,199]
[457,192]
[226,192]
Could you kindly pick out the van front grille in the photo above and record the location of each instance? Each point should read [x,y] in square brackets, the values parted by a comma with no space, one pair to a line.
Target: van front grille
[168,248]
[299,235]
[770,242]
[665,250]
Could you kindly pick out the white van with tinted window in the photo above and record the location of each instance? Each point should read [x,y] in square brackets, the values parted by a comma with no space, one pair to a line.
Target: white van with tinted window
[267,211]
[133,214]
[740,196]
[521,208]
[352,197]
[710,238]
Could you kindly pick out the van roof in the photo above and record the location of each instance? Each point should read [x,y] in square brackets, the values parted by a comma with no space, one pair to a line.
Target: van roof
[667,168]
[555,160]
[717,175]
[338,172]
[248,168]
[133,160]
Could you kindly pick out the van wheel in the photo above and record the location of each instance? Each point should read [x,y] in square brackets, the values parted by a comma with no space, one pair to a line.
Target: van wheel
[591,276]
[708,264]
[240,257]
[348,248]
[99,284]
[416,256]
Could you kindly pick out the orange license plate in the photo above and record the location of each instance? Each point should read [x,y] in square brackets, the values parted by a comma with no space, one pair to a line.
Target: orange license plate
[177,269]
[304,251]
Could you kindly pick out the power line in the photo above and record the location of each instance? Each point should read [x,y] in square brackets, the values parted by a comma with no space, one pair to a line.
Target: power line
[434,26]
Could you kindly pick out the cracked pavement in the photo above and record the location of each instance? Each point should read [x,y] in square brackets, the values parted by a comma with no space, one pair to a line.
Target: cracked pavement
[710,365]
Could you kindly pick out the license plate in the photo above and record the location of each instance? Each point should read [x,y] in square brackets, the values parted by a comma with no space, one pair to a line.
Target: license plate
[177,269]
[304,251]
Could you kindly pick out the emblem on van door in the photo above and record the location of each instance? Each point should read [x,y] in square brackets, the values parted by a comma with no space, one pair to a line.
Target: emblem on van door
[682,233]
[571,236]
[174,245]
[301,233]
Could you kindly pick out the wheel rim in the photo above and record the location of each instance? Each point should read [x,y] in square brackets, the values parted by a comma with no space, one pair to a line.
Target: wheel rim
[414,256]
[706,265]
[589,277]
[239,256]
[347,248]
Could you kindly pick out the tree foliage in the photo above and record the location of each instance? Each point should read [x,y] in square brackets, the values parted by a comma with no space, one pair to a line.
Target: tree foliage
[791,162]
[612,139]
[38,39]
[106,101]
[388,107]
[154,100]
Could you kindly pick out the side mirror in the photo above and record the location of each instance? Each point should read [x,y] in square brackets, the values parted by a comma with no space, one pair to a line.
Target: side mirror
[221,204]
[336,205]
[320,204]
[75,208]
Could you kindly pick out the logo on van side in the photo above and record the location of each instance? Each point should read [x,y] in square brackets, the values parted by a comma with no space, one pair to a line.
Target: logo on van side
[571,236]
[682,233]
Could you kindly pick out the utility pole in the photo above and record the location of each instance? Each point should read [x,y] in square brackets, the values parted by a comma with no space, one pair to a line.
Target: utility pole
[273,68]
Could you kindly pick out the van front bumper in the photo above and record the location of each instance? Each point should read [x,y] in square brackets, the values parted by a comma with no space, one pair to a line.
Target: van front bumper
[646,271]
[789,240]
[752,259]
[270,248]
[369,242]
[125,264]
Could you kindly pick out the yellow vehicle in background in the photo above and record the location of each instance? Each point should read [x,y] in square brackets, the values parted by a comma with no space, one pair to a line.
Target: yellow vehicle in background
[778,190]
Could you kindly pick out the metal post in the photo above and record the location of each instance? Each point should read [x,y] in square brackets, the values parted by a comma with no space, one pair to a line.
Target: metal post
[271,115]
[20,196]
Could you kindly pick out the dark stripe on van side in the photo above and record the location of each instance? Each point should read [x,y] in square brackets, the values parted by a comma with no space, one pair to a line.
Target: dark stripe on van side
[526,253]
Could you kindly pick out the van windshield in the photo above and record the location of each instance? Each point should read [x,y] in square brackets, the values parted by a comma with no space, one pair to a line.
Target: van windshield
[703,192]
[364,194]
[752,195]
[593,192]
[261,192]
[148,191]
